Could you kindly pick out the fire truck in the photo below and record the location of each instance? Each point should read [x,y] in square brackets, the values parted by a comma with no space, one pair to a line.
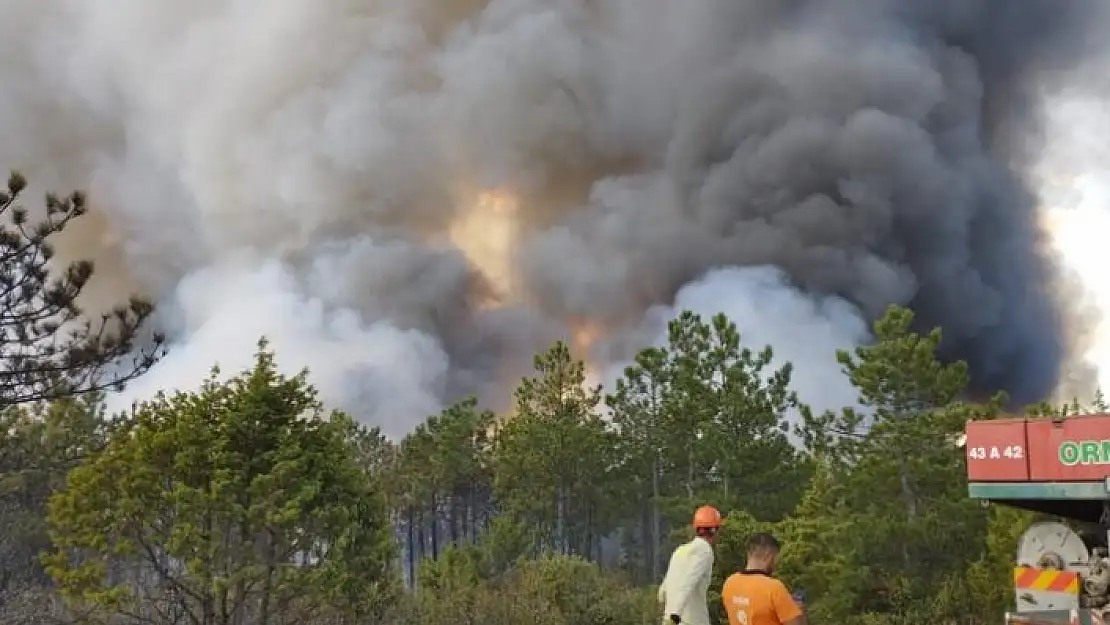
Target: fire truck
[1060,467]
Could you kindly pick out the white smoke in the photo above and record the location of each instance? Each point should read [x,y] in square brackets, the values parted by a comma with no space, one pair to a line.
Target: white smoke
[804,330]
[1073,180]
[372,370]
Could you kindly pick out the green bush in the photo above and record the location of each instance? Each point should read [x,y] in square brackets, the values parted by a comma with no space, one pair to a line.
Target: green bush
[553,590]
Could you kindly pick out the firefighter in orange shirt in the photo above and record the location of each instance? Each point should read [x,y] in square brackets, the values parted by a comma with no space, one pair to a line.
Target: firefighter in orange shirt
[753,596]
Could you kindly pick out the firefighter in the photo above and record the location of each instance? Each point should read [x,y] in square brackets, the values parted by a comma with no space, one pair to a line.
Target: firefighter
[684,587]
[754,596]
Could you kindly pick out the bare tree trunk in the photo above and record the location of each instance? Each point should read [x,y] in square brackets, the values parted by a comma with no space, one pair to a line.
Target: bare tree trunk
[435,525]
[471,516]
[908,495]
[558,538]
[690,471]
[910,499]
[655,520]
[411,551]
[588,533]
[453,523]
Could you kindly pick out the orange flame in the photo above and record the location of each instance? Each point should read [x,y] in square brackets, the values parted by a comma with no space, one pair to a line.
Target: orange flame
[584,335]
[486,233]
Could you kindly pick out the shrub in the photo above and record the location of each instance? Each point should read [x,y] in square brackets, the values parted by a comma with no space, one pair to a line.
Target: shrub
[553,590]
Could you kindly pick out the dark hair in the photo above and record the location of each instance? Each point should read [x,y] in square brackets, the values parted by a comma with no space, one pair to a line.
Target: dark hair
[763,543]
[706,532]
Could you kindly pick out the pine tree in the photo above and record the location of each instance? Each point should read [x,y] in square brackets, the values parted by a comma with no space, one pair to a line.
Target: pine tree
[48,347]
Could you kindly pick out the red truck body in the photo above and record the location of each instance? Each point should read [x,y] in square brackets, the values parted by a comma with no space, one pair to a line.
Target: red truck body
[1073,449]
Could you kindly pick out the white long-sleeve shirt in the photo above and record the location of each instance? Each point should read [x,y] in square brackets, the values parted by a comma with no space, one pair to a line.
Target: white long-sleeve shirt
[684,587]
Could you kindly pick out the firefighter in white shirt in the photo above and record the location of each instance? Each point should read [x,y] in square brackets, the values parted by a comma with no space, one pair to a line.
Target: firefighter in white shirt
[684,588]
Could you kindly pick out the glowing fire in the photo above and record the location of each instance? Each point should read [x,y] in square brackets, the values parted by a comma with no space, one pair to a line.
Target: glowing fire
[486,232]
[584,334]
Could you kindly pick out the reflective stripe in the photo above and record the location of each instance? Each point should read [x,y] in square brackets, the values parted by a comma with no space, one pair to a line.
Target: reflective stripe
[1029,578]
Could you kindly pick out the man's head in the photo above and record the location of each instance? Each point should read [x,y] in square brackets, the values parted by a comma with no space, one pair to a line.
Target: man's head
[763,552]
[707,522]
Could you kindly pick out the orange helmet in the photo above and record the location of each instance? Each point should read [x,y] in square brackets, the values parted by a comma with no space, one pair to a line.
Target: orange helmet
[707,517]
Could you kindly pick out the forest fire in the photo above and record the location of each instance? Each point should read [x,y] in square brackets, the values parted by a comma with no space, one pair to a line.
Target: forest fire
[584,335]
[485,232]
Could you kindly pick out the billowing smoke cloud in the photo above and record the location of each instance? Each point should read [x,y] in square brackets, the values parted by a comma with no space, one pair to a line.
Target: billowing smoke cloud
[804,330]
[374,368]
[315,171]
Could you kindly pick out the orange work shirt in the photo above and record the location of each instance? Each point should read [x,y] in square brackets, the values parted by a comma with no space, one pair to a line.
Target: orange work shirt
[757,599]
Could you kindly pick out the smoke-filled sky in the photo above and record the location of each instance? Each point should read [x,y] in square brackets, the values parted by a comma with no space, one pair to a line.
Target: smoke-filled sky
[410,197]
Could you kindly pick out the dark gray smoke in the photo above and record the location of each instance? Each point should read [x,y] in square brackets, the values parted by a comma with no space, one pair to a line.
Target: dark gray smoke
[310,170]
[872,149]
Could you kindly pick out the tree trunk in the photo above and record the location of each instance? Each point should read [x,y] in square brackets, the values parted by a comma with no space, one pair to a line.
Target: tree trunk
[910,499]
[908,495]
[267,587]
[655,520]
[410,552]
[690,471]
[471,515]
[453,527]
[588,534]
[435,526]
[560,521]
